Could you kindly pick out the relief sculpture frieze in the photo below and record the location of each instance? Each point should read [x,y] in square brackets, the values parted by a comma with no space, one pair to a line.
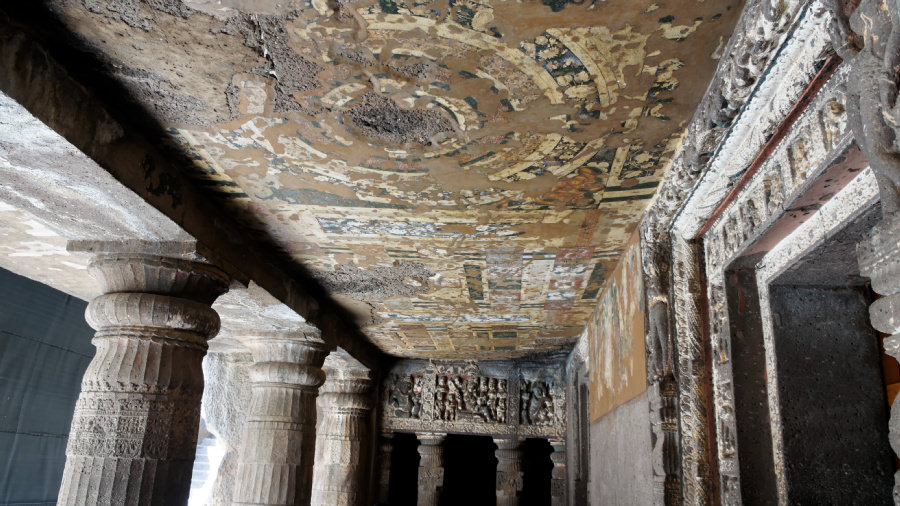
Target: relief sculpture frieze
[461,398]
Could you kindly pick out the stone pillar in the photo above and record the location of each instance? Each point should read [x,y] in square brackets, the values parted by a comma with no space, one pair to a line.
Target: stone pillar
[385,449]
[879,259]
[431,468]
[134,432]
[509,471]
[276,458]
[558,475]
[341,442]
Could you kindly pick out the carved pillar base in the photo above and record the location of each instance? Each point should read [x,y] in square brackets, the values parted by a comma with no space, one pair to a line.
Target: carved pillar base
[278,446]
[431,468]
[134,432]
[558,475]
[509,471]
[383,472]
[879,259]
[341,441]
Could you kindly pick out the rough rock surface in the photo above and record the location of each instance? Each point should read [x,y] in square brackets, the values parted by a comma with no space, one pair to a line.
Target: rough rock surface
[382,118]
[226,398]
[401,279]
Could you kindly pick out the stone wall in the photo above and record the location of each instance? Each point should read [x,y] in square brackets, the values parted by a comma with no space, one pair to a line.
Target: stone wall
[621,471]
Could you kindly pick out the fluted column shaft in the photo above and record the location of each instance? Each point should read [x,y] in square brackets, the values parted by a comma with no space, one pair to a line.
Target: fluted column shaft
[277,448]
[385,450]
[509,471]
[341,441]
[431,468]
[134,431]
[558,474]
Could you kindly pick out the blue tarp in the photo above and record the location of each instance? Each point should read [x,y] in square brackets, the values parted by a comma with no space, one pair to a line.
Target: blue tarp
[45,347]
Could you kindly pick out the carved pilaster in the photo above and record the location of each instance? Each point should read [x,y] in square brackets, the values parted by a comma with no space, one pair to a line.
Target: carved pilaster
[509,471]
[879,259]
[278,445]
[868,42]
[134,432]
[341,441]
[558,475]
[693,378]
[383,472]
[431,468]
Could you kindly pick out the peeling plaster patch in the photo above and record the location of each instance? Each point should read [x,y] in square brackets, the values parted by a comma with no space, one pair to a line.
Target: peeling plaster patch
[403,279]
[382,118]
[167,104]
[224,9]
[292,72]
[129,10]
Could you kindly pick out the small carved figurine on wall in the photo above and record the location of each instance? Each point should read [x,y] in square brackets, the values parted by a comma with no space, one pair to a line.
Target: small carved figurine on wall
[405,396]
[537,404]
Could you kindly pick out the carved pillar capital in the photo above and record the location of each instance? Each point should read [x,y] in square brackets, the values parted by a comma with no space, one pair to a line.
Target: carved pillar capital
[291,358]
[134,431]
[431,467]
[276,458]
[350,395]
[509,471]
[344,406]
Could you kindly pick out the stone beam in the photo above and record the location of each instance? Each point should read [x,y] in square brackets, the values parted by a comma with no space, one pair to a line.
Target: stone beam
[124,147]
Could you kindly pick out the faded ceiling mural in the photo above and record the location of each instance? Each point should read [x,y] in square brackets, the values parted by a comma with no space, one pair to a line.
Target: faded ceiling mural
[469,171]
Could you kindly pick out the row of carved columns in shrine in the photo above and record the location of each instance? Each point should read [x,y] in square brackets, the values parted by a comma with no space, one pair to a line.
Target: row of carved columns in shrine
[509,470]
[134,432]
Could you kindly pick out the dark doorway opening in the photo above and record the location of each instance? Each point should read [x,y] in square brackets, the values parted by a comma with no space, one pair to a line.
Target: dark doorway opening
[537,467]
[751,402]
[584,445]
[404,470]
[470,471]
[834,412]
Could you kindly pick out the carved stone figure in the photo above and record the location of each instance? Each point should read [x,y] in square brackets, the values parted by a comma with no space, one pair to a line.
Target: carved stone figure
[537,403]
[415,410]
[405,397]
[869,40]
[660,348]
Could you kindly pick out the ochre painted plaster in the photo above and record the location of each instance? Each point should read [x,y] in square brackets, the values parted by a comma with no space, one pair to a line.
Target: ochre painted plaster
[615,335]
[503,150]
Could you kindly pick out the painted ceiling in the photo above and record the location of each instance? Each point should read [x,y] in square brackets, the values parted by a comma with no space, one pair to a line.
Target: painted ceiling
[468,171]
